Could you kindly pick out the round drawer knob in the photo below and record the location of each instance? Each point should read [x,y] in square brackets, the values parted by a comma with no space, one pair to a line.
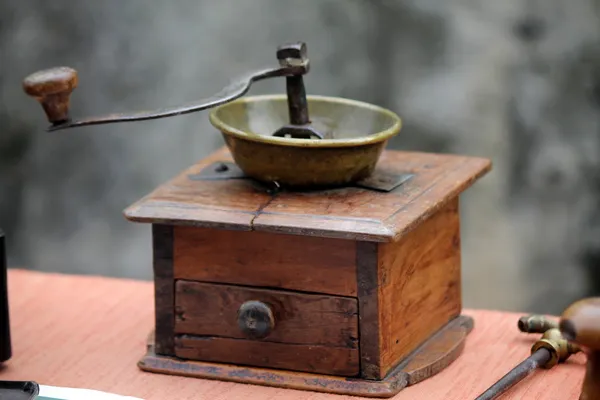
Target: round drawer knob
[255,319]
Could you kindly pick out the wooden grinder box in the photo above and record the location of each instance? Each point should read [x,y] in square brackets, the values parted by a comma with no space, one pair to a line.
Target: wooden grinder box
[348,290]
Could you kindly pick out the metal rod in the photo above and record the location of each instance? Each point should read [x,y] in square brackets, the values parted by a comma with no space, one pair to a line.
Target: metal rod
[236,89]
[297,104]
[517,374]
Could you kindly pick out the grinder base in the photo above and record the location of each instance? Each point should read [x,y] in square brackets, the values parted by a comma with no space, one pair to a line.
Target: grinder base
[435,354]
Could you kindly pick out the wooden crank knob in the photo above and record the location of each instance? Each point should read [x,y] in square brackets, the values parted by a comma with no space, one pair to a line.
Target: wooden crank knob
[52,88]
[580,323]
[255,319]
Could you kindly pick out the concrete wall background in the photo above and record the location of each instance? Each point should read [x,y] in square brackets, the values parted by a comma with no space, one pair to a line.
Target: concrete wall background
[514,80]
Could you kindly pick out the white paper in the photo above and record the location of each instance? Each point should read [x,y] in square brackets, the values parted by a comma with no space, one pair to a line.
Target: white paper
[59,393]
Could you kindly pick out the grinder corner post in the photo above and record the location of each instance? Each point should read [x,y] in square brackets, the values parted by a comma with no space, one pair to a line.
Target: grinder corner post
[5,341]
[580,323]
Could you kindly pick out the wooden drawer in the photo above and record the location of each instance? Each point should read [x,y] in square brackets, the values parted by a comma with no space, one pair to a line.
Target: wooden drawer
[310,332]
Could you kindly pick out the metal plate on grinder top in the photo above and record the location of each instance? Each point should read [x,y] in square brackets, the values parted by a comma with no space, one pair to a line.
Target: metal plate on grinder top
[379,180]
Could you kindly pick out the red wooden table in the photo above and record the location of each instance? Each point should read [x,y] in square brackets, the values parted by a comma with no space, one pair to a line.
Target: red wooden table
[89,332]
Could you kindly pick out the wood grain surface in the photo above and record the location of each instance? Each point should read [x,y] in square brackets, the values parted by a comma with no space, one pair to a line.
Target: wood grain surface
[419,285]
[342,361]
[264,259]
[91,332]
[345,213]
[207,309]
[189,202]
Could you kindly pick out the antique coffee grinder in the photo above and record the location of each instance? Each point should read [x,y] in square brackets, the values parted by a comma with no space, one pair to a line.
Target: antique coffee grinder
[301,255]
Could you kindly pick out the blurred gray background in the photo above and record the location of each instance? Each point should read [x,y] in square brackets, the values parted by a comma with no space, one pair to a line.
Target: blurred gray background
[517,81]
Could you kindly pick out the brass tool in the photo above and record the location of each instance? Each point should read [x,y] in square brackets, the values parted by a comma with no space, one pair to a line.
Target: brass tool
[536,324]
[547,352]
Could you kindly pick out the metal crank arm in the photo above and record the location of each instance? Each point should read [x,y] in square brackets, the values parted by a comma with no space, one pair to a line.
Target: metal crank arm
[64,77]
[52,88]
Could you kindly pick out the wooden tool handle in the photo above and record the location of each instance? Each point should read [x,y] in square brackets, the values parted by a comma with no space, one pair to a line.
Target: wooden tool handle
[580,323]
[52,88]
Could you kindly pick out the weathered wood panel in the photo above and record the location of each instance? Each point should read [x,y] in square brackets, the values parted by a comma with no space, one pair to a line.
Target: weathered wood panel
[265,259]
[207,309]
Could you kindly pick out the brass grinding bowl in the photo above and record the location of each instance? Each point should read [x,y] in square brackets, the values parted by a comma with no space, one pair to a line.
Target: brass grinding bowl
[355,134]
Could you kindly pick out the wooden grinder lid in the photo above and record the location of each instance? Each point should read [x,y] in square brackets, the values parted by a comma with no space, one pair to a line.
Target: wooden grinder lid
[348,213]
